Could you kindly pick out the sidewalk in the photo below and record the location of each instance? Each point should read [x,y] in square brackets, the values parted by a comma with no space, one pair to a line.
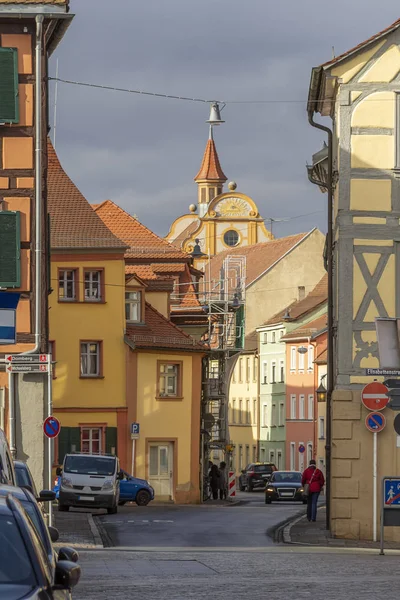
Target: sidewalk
[77,529]
[300,531]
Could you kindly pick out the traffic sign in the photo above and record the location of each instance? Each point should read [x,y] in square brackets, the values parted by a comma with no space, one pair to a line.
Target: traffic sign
[381,372]
[392,492]
[51,427]
[135,430]
[28,358]
[375,422]
[18,368]
[374,396]
[301,449]
[396,424]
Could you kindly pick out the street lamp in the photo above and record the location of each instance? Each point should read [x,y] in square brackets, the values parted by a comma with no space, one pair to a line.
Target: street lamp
[321,392]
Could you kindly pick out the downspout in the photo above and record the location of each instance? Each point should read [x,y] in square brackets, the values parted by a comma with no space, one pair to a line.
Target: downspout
[38,224]
[330,362]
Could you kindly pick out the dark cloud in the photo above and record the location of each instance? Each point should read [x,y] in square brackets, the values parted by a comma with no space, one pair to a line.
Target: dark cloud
[144,152]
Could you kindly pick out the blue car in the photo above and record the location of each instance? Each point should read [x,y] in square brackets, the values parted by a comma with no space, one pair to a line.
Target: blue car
[57,482]
[135,490]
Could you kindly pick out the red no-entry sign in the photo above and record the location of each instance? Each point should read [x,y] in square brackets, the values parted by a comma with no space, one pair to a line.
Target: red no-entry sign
[374,396]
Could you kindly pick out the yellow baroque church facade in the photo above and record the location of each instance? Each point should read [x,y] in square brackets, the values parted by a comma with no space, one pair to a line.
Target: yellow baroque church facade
[221,220]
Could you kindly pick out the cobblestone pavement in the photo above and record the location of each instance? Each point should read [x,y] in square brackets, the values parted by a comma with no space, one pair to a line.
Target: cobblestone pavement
[76,529]
[274,573]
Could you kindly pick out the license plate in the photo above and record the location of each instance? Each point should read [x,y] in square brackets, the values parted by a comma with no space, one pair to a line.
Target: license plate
[84,498]
[286,494]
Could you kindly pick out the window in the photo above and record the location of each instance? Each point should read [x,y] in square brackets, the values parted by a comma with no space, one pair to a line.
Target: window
[281,333]
[211,194]
[255,411]
[10,244]
[301,362]
[272,456]
[292,456]
[281,414]
[240,410]
[279,462]
[133,306]
[169,380]
[240,458]
[293,358]
[52,352]
[255,369]
[231,237]
[9,99]
[262,454]
[234,410]
[273,416]
[273,337]
[90,359]
[265,415]
[310,355]
[265,340]
[91,440]
[310,406]
[293,406]
[68,285]
[248,370]
[247,455]
[282,371]
[309,452]
[254,458]
[321,428]
[302,407]
[93,285]
[248,413]
[234,373]
[273,372]
[240,370]
[265,372]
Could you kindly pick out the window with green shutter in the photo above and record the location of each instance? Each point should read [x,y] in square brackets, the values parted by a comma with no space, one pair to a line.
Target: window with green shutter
[111,440]
[9,104]
[69,440]
[10,249]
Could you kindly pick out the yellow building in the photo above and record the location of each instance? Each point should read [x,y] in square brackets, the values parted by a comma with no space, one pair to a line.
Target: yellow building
[360,91]
[224,220]
[86,323]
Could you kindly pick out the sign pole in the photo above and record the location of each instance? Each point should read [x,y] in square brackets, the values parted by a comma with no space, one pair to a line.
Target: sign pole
[375,486]
[382,552]
[133,456]
[49,440]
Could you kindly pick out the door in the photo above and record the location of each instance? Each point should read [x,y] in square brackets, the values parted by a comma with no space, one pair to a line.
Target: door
[161,470]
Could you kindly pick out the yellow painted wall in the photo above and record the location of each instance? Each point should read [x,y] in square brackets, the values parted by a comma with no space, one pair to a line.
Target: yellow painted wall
[72,322]
[73,419]
[376,110]
[348,69]
[372,152]
[385,68]
[160,301]
[371,194]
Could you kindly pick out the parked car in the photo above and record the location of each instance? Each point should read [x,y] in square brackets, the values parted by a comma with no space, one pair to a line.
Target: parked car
[90,481]
[7,472]
[24,476]
[25,570]
[285,485]
[57,482]
[132,489]
[255,475]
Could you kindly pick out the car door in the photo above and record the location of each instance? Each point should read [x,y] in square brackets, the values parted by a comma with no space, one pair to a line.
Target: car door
[128,488]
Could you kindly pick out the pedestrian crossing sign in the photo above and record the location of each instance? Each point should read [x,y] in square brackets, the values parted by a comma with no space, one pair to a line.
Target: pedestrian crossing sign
[392,493]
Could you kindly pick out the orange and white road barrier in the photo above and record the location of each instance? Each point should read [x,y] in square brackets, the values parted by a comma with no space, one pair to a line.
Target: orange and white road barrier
[232,485]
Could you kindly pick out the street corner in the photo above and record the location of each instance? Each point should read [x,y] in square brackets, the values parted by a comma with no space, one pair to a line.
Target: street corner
[77,530]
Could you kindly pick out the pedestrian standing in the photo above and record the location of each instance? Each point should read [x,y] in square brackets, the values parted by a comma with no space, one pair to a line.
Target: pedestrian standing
[214,481]
[314,479]
[222,481]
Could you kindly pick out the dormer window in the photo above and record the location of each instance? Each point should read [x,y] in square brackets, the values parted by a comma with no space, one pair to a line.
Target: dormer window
[133,306]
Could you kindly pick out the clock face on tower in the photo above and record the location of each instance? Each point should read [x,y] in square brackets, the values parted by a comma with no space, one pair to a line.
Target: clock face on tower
[233,207]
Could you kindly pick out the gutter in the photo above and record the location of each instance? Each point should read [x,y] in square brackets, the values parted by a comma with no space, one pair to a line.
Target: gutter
[312,107]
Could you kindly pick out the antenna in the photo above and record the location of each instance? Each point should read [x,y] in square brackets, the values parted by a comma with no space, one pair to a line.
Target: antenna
[333,52]
[55,107]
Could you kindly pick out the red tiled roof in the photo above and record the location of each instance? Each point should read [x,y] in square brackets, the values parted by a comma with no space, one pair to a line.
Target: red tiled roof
[142,242]
[159,332]
[74,223]
[168,268]
[322,358]
[34,2]
[298,308]
[374,38]
[210,167]
[259,257]
[307,329]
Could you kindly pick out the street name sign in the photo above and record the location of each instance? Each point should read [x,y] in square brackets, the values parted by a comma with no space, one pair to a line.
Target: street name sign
[375,422]
[382,372]
[15,368]
[28,358]
[374,396]
[51,427]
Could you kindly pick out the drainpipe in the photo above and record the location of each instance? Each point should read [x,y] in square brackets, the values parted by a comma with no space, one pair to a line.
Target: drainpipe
[330,363]
[38,223]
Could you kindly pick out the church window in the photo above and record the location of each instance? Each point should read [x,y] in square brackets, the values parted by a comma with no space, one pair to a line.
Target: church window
[203,194]
[231,237]
[212,194]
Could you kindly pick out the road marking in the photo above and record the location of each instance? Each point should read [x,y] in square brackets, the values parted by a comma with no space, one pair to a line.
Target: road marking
[162,521]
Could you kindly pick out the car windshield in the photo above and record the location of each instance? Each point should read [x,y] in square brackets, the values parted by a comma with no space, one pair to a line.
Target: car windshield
[286,477]
[90,465]
[15,566]
[262,469]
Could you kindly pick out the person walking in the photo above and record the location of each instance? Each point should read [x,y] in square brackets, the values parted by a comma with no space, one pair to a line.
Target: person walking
[214,481]
[315,480]
[222,481]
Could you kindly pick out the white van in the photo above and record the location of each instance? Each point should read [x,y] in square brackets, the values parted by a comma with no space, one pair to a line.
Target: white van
[7,473]
[90,481]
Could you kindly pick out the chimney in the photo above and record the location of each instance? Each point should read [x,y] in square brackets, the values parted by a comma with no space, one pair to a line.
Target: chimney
[302,292]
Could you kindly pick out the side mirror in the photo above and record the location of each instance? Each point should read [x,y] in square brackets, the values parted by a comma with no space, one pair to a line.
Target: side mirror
[67,574]
[54,535]
[66,553]
[46,496]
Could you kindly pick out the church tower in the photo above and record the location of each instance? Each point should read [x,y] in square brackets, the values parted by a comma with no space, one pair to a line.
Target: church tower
[211,178]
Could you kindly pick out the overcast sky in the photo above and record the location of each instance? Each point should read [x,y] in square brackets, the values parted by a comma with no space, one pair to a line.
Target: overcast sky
[143,152]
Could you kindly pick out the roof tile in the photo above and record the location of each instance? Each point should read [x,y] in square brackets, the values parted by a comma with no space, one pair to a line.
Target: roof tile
[307,329]
[210,167]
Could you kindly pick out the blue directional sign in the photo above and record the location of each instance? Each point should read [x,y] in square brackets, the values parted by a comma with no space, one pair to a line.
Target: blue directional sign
[302,448]
[7,326]
[135,428]
[392,492]
[375,422]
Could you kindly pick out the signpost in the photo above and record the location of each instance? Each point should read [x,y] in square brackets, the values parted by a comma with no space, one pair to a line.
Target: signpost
[135,431]
[390,512]
[374,396]
[19,368]
[28,358]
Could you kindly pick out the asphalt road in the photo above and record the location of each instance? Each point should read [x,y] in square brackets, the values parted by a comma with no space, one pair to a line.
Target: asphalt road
[191,527]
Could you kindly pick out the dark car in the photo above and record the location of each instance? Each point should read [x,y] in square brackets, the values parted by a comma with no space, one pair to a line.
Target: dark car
[255,475]
[132,489]
[285,485]
[24,476]
[25,570]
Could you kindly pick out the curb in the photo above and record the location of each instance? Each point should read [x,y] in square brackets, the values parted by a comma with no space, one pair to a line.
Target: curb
[105,539]
[276,532]
[95,532]
[286,537]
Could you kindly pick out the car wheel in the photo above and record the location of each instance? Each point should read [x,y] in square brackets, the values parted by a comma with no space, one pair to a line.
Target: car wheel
[113,510]
[122,503]
[63,508]
[142,498]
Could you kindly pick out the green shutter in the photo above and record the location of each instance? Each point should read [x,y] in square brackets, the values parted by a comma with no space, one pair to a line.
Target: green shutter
[9,104]
[10,249]
[111,440]
[74,439]
[240,324]
[68,437]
